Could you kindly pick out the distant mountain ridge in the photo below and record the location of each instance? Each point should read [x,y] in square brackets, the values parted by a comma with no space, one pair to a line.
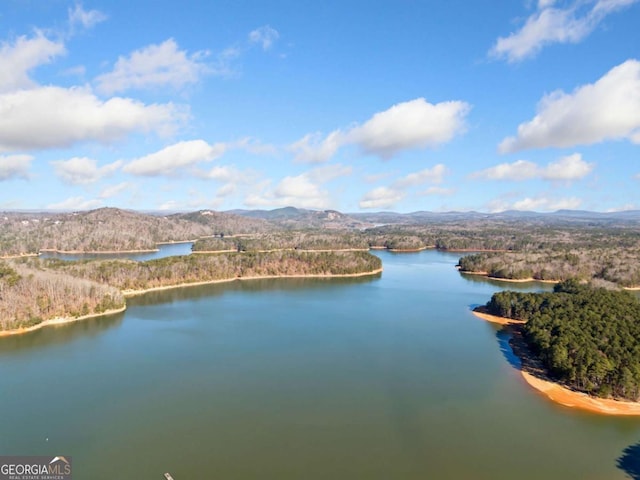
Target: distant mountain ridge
[292,217]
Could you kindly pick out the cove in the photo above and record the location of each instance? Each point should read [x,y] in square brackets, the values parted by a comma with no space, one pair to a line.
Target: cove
[389,377]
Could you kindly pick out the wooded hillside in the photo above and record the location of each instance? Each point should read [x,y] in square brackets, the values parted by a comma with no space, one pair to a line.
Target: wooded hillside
[587,338]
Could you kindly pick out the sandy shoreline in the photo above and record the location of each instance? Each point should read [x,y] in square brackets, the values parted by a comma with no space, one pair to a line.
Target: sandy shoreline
[582,401]
[498,320]
[563,395]
[135,293]
[509,280]
[58,321]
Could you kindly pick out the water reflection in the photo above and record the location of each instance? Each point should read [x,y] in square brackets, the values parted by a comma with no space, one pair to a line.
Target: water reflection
[256,285]
[59,334]
[629,461]
[506,285]
[164,250]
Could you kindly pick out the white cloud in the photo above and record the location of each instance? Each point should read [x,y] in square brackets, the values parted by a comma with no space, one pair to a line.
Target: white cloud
[381,197]
[154,66]
[228,174]
[518,170]
[114,190]
[298,191]
[428,175]
[413,124]
[78,16]
[19,58]
[313,149]
[606,110]
[386,197]
[265,35]
[52,117]
[550,25]
[571,167]
[438,191]
[407,125]
[254,146]
[304,190]
[174,157]
[83,170]
[539,203]
[75,203]
[15,166]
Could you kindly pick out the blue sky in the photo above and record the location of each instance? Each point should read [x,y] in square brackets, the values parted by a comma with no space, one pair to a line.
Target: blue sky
[349,105]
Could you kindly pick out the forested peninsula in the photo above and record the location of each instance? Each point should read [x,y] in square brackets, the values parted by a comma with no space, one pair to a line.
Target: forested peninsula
[33,290]
[583,337]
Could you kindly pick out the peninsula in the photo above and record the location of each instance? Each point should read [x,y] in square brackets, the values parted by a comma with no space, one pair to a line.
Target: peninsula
[578,345]
[38,292]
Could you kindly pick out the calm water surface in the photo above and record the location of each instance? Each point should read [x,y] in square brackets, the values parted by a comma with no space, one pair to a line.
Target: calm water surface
[164,250]
[383,378]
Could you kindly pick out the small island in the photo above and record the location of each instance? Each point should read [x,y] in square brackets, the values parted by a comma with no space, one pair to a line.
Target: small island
[579,345]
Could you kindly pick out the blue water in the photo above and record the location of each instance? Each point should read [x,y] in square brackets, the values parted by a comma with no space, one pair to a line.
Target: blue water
[164,250]
[389,377]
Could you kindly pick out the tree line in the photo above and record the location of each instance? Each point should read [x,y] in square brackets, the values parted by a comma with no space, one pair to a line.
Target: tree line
[33,290]
[587,338]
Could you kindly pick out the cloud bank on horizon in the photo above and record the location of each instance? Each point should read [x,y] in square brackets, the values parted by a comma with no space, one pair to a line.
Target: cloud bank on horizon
[302,109]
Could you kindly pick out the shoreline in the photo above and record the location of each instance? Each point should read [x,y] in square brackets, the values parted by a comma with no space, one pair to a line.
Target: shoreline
[560,394]
[135,293]
[59,321]
[497,320]
[509,280]
[94,252]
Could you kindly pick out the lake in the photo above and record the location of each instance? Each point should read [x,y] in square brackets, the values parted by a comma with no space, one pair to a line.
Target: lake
[388,377]
[164,250]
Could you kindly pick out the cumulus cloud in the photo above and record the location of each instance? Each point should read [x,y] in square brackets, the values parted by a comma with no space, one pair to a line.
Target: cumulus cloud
[550,24]
[608,109]
[386,197]
[298,191]
[53,117]
[76,203]
[428,175]
[518,170]
[17,59]
[408,125]
[158,65]
[175,157]
[571,167]
[539,203]
[83,170]
[79,17]
[15,166]
[381,197]
[265,36]
[413,124]
[304,190]
[312,148]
